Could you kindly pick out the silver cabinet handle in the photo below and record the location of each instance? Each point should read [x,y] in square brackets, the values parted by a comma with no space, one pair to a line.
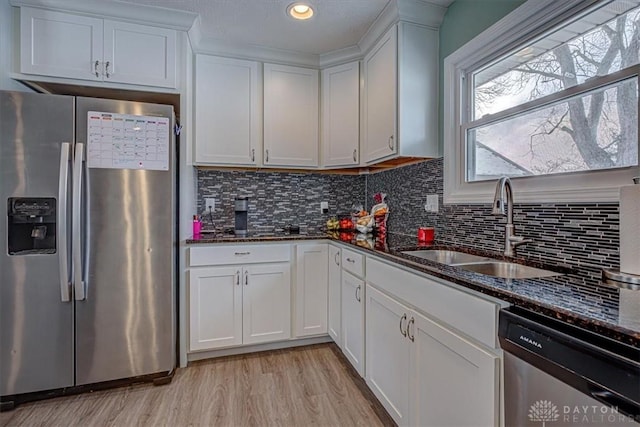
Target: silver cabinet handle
[358,293]
[355,152]
[106,69]
[76,225]
[246,277]
[336,258]
[391,142]
[95,68]
[63,233]
[242,253]
[266,156]
[253,154]
[238,277]
[402,319]
[409,334]
[352,261]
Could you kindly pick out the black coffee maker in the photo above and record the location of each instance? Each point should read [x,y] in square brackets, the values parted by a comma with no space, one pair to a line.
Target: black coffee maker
[241,208]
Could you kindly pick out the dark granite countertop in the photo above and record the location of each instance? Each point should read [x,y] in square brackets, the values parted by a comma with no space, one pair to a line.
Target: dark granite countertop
[256,236]
[560,297]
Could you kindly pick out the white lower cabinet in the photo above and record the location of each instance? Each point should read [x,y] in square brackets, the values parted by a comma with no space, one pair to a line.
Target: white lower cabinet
[266,303]
[334,297]
[353,290]
[311,289]
[215,304]
[387,350]
[241,304]
[423,372]
[454,382]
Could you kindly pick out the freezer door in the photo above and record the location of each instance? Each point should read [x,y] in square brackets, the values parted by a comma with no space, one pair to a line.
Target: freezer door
[36,314]
[125,290]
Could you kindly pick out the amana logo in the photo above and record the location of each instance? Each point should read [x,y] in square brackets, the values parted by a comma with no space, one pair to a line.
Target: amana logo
[530,341]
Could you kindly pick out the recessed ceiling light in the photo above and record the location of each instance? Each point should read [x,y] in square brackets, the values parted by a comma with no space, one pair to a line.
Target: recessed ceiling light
[300,11]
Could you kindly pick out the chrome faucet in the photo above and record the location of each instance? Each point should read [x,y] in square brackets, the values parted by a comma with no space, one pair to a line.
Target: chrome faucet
[504,195]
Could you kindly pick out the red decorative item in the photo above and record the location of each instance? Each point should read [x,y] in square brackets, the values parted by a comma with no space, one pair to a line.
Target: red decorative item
[426,234]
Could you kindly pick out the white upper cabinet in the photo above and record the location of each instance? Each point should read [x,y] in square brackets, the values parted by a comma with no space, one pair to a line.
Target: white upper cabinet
[227,111]
[341,115]
[58,44]
[290,116]
[139,54]
[401,95]
[380,99]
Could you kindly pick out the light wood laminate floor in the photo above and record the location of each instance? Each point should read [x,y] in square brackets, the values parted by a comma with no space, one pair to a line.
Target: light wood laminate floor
[294,387]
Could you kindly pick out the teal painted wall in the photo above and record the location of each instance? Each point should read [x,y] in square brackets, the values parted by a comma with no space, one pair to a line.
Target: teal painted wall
[464,20]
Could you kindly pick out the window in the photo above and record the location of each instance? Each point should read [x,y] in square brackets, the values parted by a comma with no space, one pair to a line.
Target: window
[556,109]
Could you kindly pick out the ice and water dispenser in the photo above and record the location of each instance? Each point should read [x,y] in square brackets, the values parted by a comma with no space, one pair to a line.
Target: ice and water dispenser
[31,225]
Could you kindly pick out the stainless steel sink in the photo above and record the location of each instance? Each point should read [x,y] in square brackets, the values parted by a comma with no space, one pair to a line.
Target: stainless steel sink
[481,264]
[446,257]
[507,270]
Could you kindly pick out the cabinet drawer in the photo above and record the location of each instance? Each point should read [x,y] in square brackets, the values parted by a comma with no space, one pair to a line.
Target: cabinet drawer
[353,262]
[242,254]
[470,314]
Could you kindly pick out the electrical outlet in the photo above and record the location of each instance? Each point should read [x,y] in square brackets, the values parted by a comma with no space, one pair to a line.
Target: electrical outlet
[432,203]
[324,207]
[209,204]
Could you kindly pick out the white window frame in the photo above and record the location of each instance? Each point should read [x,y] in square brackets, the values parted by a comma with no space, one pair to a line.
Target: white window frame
[532,18]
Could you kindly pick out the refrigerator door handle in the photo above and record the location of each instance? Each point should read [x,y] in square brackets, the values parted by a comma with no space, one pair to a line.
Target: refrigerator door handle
[79,284]
[63,232]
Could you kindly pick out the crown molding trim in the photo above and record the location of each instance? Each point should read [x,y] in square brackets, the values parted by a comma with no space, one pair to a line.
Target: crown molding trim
[256,53]
[129,12]
[423,12]
[340,56]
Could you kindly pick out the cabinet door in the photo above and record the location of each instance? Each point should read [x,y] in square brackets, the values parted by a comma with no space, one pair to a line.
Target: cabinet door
[341,115]
[266,303]
[380,68]
[290,116]
[311,289]
[60,44]
[139,54]
[447,371]
[227,110]
[387,353]
[353,320]
[334,295]
[215,307]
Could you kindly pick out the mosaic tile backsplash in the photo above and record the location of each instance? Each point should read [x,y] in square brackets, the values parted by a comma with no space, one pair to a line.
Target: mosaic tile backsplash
[277,199]
[584,236]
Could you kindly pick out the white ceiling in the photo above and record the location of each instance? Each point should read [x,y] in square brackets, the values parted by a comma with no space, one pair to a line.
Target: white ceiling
[336,24]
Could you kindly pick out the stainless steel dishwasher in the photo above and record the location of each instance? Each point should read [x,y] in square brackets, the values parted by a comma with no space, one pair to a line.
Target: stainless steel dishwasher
[556,374]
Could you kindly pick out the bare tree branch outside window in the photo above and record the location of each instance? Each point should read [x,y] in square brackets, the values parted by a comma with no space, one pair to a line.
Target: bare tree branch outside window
[598,130]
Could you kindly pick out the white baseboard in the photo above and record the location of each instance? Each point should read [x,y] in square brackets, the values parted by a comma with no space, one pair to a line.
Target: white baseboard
[201,355]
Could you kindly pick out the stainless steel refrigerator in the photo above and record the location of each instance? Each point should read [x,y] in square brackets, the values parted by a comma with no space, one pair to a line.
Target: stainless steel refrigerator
[87,269]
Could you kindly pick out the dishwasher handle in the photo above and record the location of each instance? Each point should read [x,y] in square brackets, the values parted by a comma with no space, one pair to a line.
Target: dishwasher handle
[612,399]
